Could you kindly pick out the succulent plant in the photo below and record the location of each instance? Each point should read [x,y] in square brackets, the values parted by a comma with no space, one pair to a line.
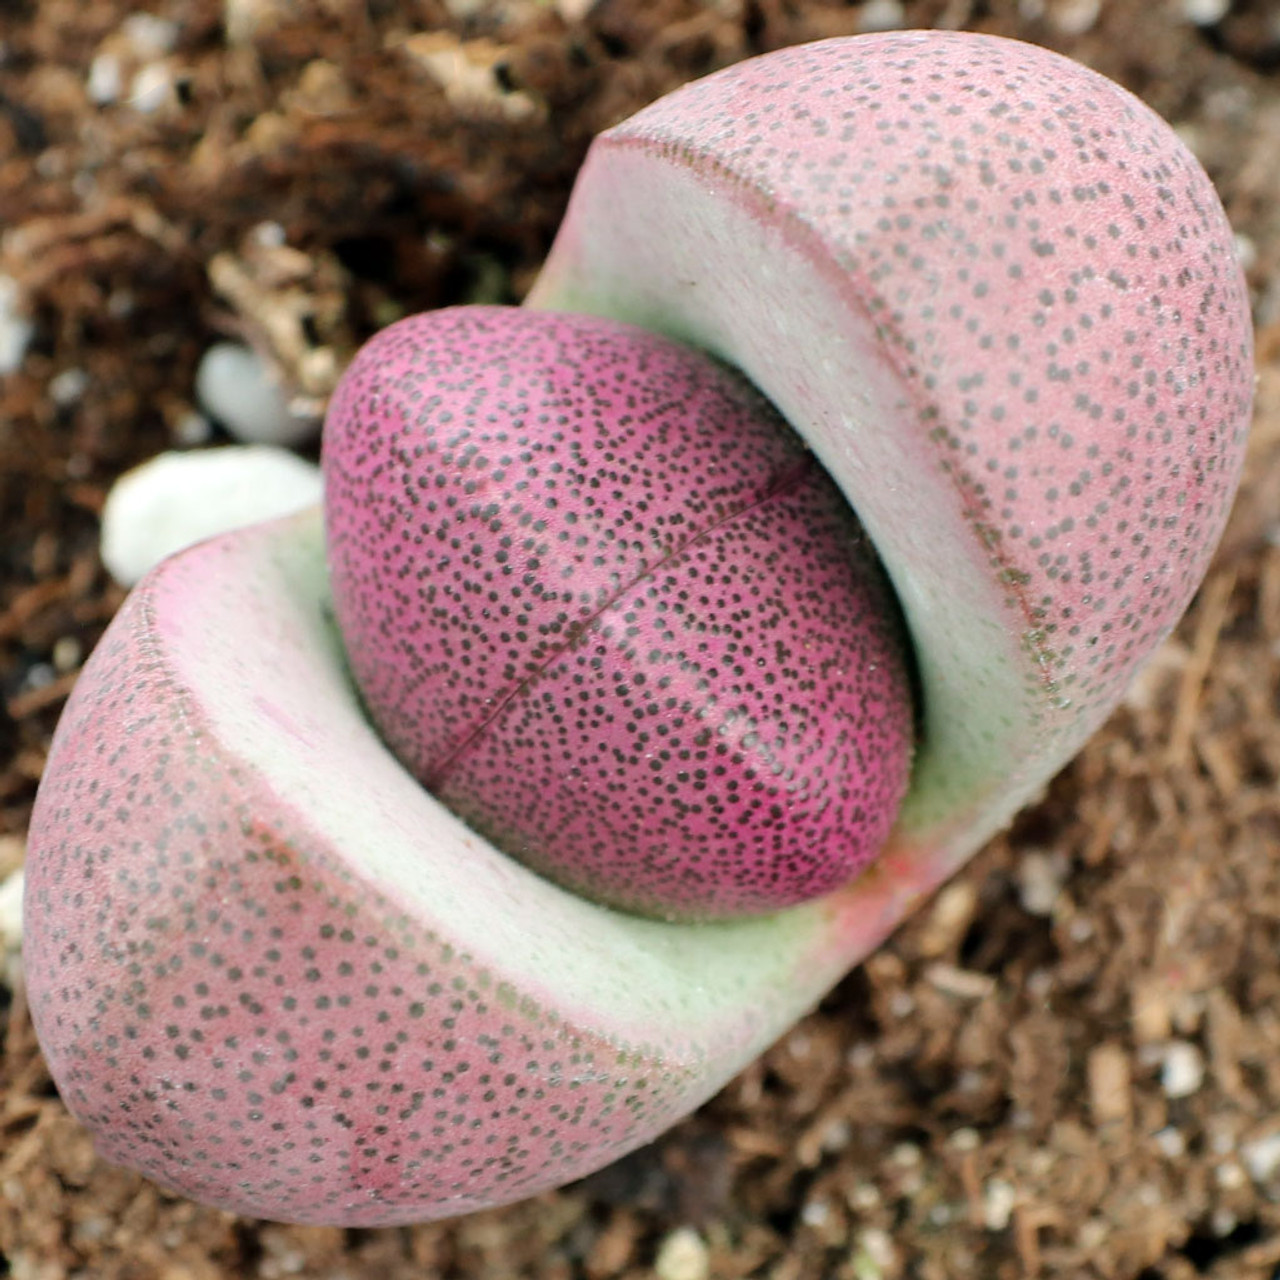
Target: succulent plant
[996,298]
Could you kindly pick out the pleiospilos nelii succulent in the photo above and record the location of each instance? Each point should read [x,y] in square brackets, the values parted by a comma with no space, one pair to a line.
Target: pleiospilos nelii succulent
[997,298]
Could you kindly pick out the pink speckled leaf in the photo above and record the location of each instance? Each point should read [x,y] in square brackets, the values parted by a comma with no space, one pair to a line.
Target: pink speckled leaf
[603,603]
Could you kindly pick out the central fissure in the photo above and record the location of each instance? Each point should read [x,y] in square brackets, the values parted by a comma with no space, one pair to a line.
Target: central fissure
[579,630]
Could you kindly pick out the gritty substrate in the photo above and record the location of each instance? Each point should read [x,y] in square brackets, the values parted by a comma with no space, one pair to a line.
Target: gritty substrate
[1069,1066]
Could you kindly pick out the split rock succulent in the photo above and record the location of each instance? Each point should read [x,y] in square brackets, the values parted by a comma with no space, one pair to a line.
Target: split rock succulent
[998,299]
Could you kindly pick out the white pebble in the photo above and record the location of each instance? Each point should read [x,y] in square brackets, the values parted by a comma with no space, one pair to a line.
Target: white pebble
[1080,929]
[461,10]
[178,499]
[1246,252]
[1075,17]
[11,910]
[864,1196]
[67,654]
[881,15]
[1262,1157]
[1205,13]
[16,331]
[106,79]
[40,675]
[861,1056]
[998,1201]
[1041,876]
[1173,1146]
[1094,1233]
[877,1247]
[907,1155]
[67,387]
[1183,1070]
[1223,1222]
[816,1213]
[683,1255]
[572,11]
[91,1230]
[235,386]
[1039,983]
[268,235]
[902,1004]
[836,1136]
[150,36]
[11,927]
[152,88]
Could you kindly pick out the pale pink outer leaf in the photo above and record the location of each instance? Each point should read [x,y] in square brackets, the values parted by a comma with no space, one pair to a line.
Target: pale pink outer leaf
[273,973]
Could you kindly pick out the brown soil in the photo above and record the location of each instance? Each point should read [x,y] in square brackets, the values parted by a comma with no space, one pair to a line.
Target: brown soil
[1067,1066]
